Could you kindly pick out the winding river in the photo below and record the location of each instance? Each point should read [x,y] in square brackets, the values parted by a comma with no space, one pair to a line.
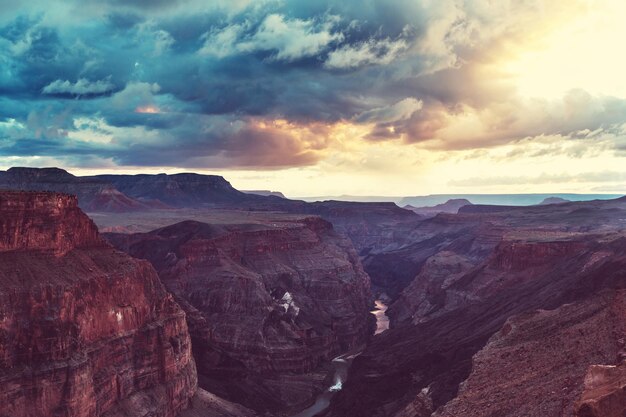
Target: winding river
[341,364]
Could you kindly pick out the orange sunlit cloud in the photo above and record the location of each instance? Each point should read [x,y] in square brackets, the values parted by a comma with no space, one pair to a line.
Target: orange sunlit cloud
[147,109]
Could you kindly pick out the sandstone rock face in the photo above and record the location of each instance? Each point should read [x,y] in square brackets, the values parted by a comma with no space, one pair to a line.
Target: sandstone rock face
[43,221]
[266,303]
[371,226]
[85,330]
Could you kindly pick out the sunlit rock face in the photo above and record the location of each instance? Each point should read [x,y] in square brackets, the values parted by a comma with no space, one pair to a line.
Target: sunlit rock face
[267,303]
[85,330]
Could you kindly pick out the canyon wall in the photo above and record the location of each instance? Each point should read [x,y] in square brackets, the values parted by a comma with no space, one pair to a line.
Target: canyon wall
[511,313]
[267,303]
[85,330]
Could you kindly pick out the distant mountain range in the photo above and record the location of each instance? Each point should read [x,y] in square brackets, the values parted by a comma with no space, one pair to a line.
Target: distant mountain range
[124,193]
[497,199]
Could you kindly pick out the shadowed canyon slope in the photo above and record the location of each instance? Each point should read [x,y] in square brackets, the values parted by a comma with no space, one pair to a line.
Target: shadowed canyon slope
[508,310]
[268,302]
[84,329]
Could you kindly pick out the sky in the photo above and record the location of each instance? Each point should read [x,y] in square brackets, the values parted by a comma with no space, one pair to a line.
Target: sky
[325,97]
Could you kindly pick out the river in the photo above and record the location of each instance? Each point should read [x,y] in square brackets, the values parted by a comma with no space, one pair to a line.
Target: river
[341,364]
[382,321]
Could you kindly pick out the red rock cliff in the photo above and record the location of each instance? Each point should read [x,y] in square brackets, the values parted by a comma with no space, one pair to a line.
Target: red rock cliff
[85,330]
[44,221]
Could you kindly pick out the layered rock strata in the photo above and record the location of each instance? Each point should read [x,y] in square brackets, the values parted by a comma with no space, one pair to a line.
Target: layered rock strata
[267,304]
[85,330]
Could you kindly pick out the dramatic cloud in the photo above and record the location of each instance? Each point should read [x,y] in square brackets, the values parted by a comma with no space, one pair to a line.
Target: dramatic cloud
[270,84]
[291,39]
[402,110]
[369,52]
[288,39]
[80,88]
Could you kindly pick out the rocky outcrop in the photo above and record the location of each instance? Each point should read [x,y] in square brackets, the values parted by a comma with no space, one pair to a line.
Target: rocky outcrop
[451,279]
[162,198]
[267,303]
[394,269]
[556,347]
[85,330]
[516,256]
[44,221]
[605,392]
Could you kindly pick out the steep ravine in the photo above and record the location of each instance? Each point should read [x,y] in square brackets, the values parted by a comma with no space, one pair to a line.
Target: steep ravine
[269,305]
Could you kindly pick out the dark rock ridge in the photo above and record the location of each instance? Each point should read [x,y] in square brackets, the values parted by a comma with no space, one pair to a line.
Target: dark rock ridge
[554,200]
[501,199]
[267,304]
[505,317]
[265,193]
[93,194]
[127,193]
[183,190]
[85,330]
[450,206]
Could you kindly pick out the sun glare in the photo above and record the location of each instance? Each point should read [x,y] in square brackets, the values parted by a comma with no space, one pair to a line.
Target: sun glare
[585,54]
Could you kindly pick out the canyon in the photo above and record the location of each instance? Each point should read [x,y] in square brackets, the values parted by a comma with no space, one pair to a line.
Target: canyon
[268,303]
[496,287]
[196,299]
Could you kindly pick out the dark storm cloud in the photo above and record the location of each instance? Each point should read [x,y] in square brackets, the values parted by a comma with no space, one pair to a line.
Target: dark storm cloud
[190,82]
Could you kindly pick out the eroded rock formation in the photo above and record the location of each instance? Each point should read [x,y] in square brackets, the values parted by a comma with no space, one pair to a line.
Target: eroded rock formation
[267,303]
[85,330]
